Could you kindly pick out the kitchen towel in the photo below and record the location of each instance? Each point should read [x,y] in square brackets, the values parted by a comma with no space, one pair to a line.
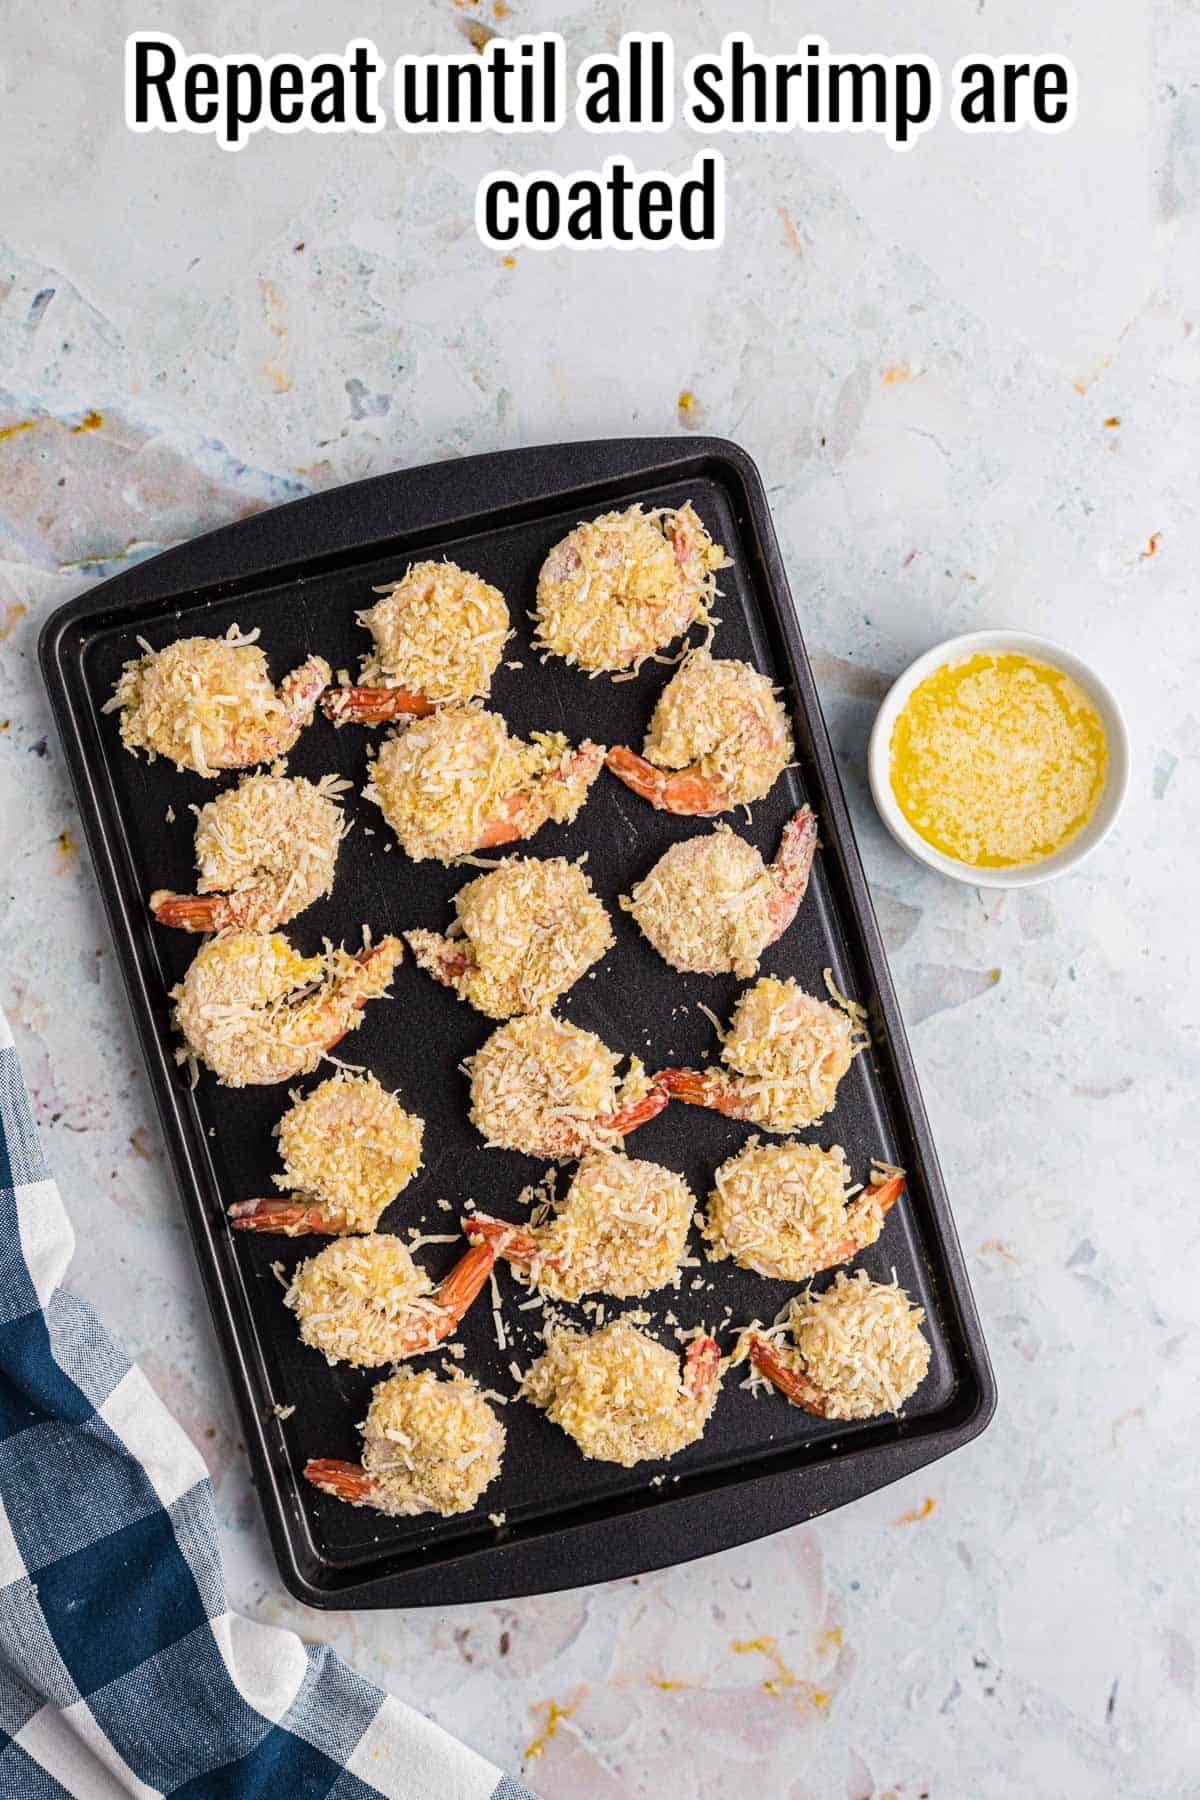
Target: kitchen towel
[122,1670]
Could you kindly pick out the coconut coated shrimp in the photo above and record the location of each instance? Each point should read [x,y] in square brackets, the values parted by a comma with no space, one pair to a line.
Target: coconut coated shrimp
[619,1393]
[710,905]
[619,588]
[457,782]
[429,1445]
[718,738]
[363,1300]
[857,1349]
[439,635]
[525,933]
[550,1089]
[621,1230]
[348,1149]
[266,850]
[255,1012]
[785,1054]
[784,1210]
[209,704]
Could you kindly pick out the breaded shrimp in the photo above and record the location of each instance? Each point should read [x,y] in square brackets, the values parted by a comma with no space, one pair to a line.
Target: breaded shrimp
[718,738]
[439,635]
[348,1149]
[209,704]
[787,1211]
[619,1394]
[266,850]
[710,905]
[550,1089]
[255,1012]
[364,1301]
[857,1349]
[621,1229]
[785,1054]
[429,1445]
[619,588]
[457,782]
[525,933]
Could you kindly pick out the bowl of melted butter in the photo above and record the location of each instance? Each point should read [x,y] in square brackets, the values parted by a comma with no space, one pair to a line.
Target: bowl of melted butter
[999,758]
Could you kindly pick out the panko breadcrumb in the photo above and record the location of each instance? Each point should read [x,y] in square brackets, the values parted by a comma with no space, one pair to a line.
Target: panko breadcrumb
[621,1230]
[439,631]
[351,1145]
[209,703]
[430,1444]
[255,1011]
[721,719]
[621,587]
[525,933]
[619,1393]
[548,1088]
[785,1210]
[859,1343]
[444,782]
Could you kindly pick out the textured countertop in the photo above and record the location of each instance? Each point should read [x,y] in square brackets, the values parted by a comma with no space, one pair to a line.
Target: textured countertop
[969,375]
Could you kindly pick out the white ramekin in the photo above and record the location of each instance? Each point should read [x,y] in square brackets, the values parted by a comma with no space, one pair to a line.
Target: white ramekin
[1023,643]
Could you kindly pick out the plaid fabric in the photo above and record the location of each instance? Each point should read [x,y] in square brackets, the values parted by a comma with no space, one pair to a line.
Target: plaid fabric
[122,1671]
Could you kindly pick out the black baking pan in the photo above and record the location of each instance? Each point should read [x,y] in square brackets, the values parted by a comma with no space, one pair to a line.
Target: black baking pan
[299,573]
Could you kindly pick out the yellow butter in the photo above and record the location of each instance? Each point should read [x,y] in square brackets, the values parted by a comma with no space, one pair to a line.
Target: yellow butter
[998,760]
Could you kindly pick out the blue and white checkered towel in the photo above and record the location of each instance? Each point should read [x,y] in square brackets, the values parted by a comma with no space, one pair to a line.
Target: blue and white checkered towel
[122,1671]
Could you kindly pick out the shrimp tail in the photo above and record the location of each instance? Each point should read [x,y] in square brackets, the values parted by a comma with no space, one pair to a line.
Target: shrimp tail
[510,1241]
[702,1371]
[525,812]
[794,1386]
[454,1295]
[627,1118]
[442,957]
[373,705]
[192,912]
[791,870]
[290,1218]
[697,1087]
[685,791]
[344,1480]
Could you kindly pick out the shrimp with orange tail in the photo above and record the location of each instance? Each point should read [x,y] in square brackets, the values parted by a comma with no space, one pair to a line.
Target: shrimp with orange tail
[209,704]
[718,738]
[621,1229]
[787,1210]
[266,850]
[430,1445]
[620,1394]
[785,1055]
[857,1349]
[711,906]
[254,1011]
[550,1089]
[363,1300]
[348,1149]
[524,933]
[439,634]
[456,782]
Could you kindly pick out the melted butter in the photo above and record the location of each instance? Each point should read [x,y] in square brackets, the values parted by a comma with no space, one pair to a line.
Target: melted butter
[998,760]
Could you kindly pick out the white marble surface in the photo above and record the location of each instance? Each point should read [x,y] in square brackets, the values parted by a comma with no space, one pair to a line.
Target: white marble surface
[928,356]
